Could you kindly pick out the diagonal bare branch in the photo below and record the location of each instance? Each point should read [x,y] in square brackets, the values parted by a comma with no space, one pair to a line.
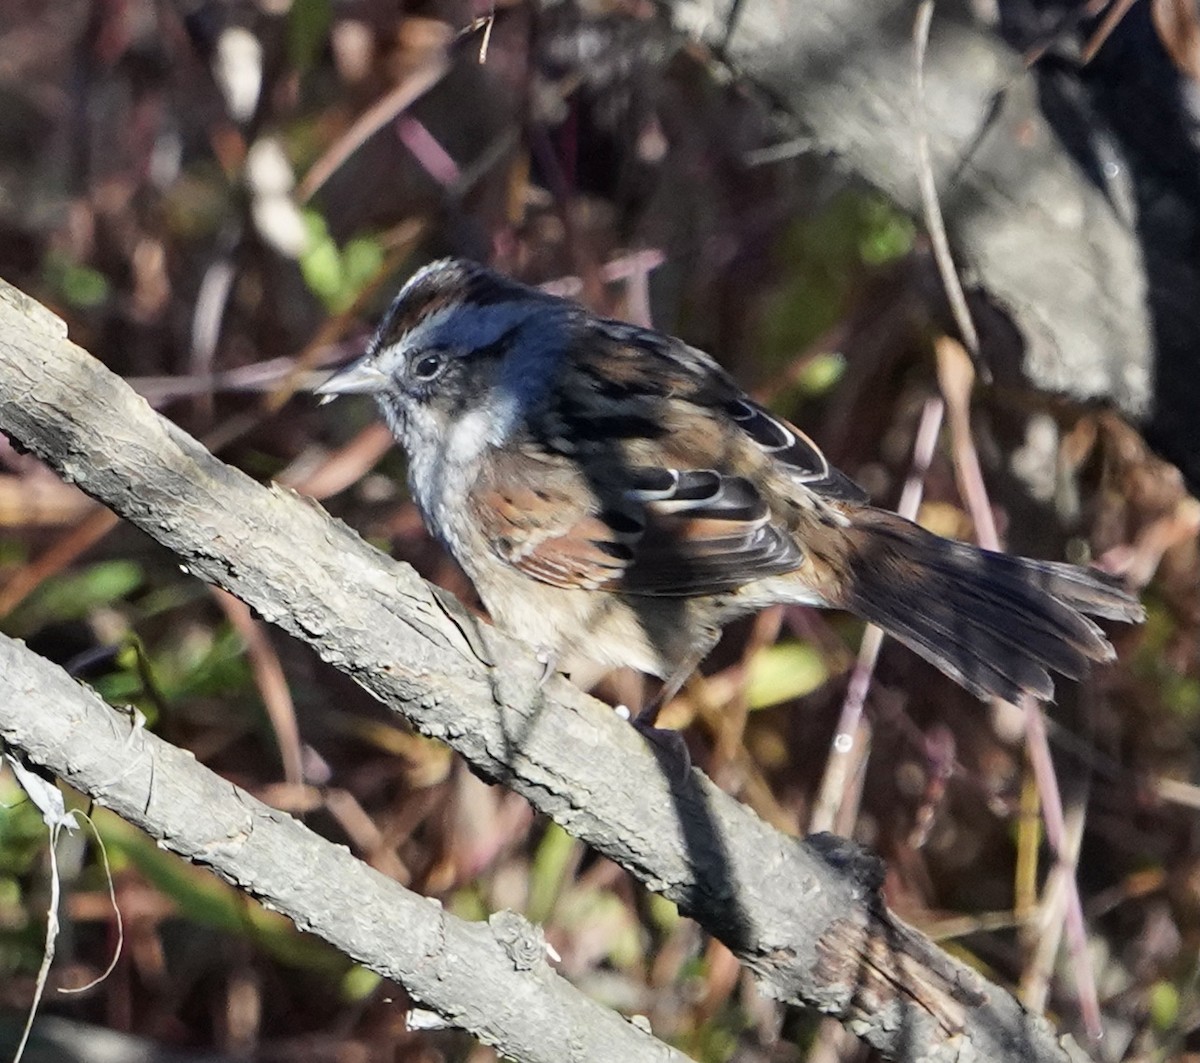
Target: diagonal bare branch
[491,978]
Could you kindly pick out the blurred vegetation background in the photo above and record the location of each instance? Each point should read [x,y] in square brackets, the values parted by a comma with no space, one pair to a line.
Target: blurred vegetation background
[220,198]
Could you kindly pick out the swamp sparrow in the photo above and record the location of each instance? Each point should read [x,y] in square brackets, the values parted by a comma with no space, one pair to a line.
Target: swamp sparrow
[615,496]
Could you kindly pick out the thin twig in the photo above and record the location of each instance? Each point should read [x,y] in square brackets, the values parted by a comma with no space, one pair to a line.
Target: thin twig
[1056,912]
[1038,747]
[1112,18]
[975,493]
[61,553]
[935,224]
[271,681]
[955,377]
[850,739]
[374,118]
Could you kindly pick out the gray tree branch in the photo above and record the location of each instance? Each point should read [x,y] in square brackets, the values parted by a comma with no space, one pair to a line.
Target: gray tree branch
[804,915]
[490,978]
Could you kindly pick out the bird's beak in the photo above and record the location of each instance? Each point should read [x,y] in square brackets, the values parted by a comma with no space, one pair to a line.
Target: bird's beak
[361,377]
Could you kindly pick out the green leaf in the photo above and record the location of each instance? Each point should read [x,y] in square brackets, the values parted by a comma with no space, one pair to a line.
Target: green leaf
[663,913]
[321,266]
[118,686]
[78,284]
[887,234]
[782,672]
[546,875]
[1164,1006]
[334,275]
[358,983]
[468,903]
[362,260]
[73,595]
[821,374]
[307,31]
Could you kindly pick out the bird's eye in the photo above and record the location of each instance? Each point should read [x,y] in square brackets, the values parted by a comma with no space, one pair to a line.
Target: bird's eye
[427,366]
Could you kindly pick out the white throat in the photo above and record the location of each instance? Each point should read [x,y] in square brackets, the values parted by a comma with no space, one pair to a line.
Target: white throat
[443,465]
[488,426]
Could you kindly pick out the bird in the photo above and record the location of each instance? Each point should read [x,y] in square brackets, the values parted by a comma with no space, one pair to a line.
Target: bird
[616,497]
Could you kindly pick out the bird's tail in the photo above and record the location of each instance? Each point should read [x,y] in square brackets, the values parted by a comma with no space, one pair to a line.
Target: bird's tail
[995,623]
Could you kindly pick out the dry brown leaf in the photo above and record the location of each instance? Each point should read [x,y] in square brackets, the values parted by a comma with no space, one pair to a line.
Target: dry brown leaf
[1178,25]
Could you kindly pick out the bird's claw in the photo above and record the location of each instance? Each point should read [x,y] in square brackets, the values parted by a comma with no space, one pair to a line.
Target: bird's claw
[547,658]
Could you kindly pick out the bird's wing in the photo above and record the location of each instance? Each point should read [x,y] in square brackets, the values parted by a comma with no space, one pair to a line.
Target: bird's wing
[649,471]
[663,531]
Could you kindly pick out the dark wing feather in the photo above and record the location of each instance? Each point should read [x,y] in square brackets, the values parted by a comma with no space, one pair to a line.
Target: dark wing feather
[705,532]
[800,458]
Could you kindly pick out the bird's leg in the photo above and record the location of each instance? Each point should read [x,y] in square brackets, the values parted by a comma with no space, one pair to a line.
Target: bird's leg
[670,742]
[647,718]
[670,746]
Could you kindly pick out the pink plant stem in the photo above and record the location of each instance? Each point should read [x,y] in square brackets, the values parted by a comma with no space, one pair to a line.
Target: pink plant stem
[836,806]
[974,492]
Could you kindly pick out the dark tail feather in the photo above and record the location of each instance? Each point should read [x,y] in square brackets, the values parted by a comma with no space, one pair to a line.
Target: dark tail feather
[995,623]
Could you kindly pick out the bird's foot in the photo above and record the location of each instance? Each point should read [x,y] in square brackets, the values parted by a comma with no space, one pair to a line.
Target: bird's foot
[669,747]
